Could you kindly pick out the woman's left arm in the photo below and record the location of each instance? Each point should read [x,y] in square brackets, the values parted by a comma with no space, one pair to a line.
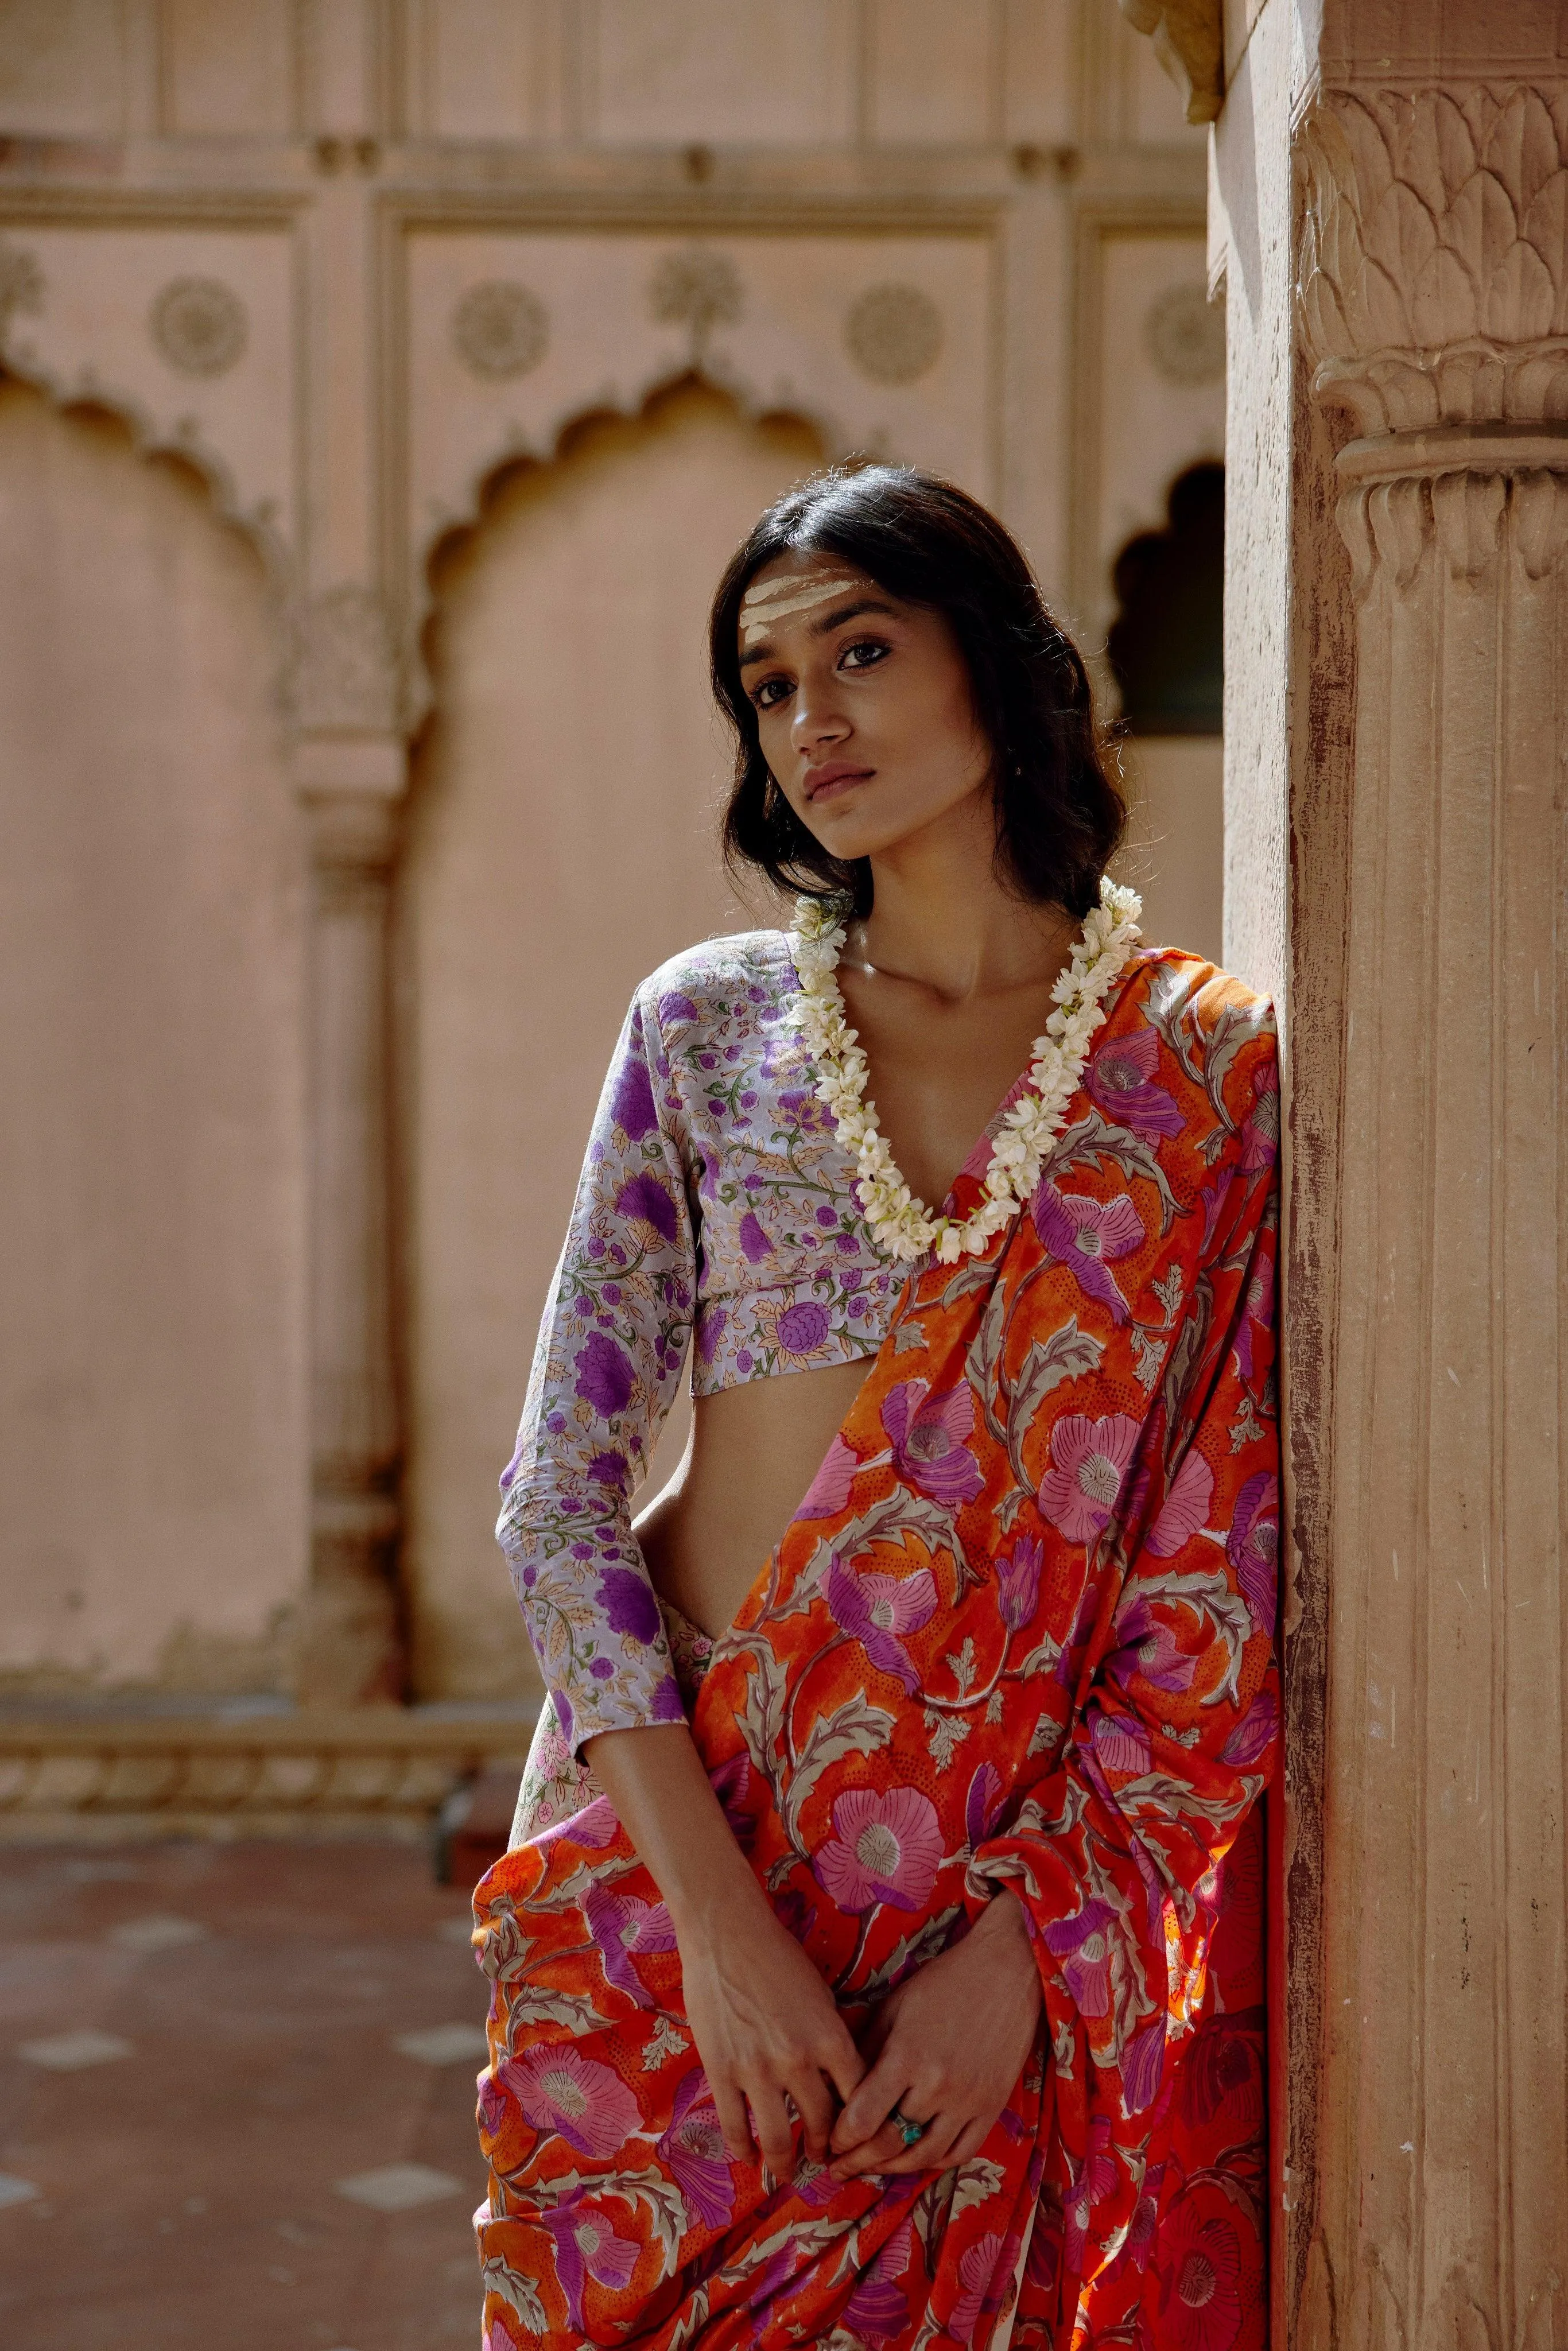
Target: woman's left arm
[1113,1857]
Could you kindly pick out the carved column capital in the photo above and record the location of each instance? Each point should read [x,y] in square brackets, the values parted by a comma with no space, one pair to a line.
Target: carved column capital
[347,672]
[1432,277]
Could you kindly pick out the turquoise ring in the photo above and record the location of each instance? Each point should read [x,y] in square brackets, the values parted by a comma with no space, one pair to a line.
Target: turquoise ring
[910,2132]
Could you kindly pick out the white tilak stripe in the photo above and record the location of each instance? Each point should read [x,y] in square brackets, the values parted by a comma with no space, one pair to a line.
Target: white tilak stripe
[755,622]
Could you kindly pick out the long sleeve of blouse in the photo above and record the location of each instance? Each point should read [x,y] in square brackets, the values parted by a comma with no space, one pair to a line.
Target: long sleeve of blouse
[604,1375]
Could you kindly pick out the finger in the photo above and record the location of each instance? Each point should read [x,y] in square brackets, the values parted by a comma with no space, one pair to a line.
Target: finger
[733,2119]
[871,2103]
[932,2151]
[874,2035]
[843,2063]
[770,2123]
[814,2102]
[874,2154]
[970,2140]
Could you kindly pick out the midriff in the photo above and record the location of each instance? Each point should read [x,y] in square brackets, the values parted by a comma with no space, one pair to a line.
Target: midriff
[753,1453]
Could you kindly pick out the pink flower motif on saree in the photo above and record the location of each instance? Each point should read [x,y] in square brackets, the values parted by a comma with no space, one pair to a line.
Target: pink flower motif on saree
[928,1434]
[875,1609]
[1090,1461]
[830,1488]
[586,2246]
[1185,1508]
[1120,1080]
[694,2148]
[620,1924]
[588,2103]
[885,1848]
[1087,1236]
[1253,1547]
[878,2307]
[1198,2266]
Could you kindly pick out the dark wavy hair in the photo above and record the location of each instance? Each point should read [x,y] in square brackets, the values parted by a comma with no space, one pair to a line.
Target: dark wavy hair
[1060,814]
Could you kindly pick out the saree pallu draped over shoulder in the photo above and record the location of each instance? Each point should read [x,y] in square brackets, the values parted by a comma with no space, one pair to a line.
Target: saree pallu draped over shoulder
[1019,1632]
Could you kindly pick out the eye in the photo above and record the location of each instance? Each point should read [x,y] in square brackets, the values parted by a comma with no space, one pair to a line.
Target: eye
[770,693]
[864,653]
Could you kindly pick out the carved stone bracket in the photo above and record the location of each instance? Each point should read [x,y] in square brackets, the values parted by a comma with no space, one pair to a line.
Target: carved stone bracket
[1189,41]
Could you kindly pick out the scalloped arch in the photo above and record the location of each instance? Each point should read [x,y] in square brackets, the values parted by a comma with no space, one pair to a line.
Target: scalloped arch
[551,446]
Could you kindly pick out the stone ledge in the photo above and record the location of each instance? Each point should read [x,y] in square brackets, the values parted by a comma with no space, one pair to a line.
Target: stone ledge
[374,1770]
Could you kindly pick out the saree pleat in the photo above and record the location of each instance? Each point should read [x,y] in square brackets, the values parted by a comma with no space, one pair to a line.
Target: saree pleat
[1019,1633]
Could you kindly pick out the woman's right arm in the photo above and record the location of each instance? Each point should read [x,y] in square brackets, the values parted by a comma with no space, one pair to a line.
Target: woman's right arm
[604,1375]
[765,2022]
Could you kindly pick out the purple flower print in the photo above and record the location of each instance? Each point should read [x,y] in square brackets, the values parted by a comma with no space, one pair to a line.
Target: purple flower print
[605,1377]
[594,1828]
[1120,1080]
[645,1201]
[985,2272]
[1185,1508]
[887,1846]
[628,1602]
[878,2308]
[1147,1645]
[926,1432]
[802,1329]
[710,1330]
[875,1609]
[1090,2186]
[1254,1734]
[829,1490]
[1261,1128]
[632,1104]
[1198,2264]
[1252,1546]
[1143,2066]
[1258,1312]
[1018,1582]
[1082,1945]
[1087,1236]
[692,2150]
[668,1705]
[755,1243]
[1090,1461]
[676,1007]
[1122,1745]
[621,1924]
[983,1806]
[586,2246]
[608,1468]
[558,2090]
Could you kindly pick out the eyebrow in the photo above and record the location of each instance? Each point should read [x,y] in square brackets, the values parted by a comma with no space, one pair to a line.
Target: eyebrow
[828,621]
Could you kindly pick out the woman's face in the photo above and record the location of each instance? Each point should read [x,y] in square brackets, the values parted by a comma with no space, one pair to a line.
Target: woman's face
[863,705]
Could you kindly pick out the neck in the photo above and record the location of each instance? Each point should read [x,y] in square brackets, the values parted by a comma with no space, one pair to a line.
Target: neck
[942,917]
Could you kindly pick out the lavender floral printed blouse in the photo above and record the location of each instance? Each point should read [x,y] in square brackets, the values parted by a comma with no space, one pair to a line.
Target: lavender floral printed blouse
[717,1202]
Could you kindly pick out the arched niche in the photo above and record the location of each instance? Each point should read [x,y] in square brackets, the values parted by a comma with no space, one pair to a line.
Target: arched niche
[560,845]
[1166,652]
[153,1412]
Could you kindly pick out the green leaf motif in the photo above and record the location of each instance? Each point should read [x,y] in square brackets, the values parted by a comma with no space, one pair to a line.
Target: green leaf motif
[856,1728]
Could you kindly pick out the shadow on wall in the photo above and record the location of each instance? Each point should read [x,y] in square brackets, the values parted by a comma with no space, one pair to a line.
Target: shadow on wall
[1165,649]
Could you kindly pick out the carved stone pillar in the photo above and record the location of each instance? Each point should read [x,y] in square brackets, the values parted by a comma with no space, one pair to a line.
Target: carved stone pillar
[351,770]
[1434,295]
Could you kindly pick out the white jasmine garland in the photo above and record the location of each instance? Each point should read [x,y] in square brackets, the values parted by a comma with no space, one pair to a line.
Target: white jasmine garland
[902,1225]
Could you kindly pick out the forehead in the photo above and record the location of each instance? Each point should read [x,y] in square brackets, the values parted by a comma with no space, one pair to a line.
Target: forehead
[788,591]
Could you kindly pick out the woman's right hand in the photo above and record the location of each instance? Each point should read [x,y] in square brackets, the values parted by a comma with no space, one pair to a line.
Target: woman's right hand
[767,2030]
[763,2019]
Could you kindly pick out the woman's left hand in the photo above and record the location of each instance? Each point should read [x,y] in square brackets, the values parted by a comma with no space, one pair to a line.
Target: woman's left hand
[927,2058]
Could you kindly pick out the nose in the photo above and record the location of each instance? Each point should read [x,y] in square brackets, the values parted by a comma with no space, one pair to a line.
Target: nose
[818,719]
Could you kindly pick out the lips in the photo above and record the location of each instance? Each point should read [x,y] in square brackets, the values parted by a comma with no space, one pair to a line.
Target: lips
[820,780]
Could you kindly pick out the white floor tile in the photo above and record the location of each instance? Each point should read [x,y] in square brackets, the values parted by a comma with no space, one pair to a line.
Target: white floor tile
[399,2186]
[444,2044]
[67,2053]
[160,1932]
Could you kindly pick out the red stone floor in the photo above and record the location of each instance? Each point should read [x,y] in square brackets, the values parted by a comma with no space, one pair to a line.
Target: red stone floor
[185,2189]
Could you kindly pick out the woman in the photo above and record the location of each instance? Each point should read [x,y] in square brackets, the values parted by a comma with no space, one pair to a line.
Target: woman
[879,1958]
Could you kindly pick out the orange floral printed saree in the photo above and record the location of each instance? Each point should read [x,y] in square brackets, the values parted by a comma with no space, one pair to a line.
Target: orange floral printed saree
[1021,1633]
